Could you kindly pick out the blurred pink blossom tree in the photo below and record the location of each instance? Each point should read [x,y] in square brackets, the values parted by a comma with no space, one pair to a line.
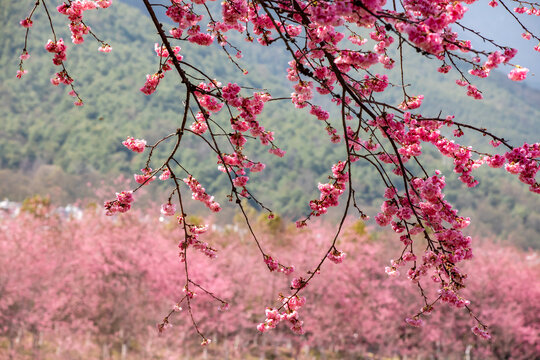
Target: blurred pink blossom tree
[334,48]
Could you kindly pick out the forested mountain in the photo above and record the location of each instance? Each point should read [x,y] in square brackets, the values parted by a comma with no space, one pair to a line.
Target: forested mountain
[47,145]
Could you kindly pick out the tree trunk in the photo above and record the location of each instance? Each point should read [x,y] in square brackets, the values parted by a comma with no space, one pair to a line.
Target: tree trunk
[262,347]
[305,350]
[226,348]
[186,351]
[236,345]
[18,337]
[468,352]
[36,345]
[11,348]
[123,352]
[148,348]
[438,350]
[58,349]
[105,351]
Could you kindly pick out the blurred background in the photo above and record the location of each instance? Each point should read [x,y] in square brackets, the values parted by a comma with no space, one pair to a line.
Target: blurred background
[77,285]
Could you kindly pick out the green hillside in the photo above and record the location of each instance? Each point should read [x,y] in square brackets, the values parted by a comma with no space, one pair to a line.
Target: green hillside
[49,146]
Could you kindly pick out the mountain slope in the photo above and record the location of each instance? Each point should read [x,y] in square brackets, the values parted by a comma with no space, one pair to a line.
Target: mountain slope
[41,129]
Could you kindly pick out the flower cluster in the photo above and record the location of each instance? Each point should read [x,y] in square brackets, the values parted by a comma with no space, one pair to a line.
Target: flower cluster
[74,11]
[165,175]
[274,317]
[414,321]
[199,126]
[26,23]
[152,81]
[525,162]
[183,15]
[168,209]
[426,202]
[136,145]
[483,333]
[274,265]
[518,74]
[61,77]
[192,239]
[449,296]
[146,178]
[57,48]
[330,192]
[121,205]
[199,193]
[412,103]
[336,256]
[105,48]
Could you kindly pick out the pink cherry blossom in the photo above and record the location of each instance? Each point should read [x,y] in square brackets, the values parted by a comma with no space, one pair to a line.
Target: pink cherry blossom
[26,23]
[135,145]
[518,74]
[168,209]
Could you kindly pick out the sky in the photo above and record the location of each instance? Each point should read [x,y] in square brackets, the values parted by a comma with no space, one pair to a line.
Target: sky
[497,24]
